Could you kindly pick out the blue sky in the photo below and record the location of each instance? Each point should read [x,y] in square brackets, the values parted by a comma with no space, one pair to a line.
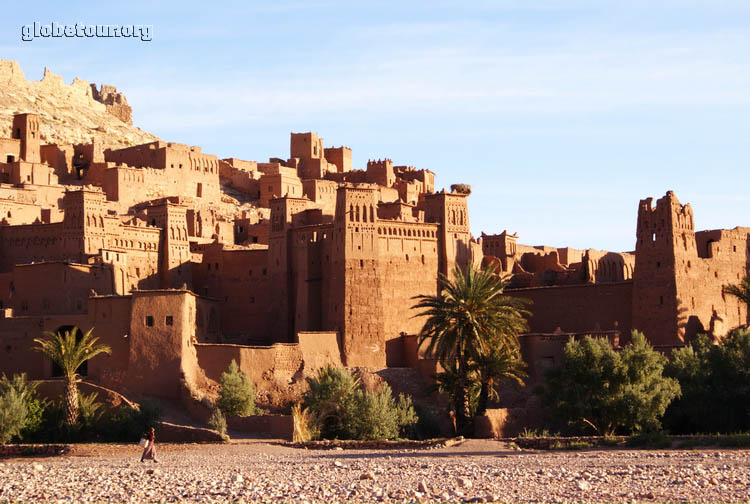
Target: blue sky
[562,115]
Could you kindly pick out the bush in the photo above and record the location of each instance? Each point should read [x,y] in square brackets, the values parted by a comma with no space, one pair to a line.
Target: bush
[428,424]
[607,390]
[715,381]
[217,421]
[12,414]
[653,439]
[128,424]
[35,407]
[237,394]
[339,409]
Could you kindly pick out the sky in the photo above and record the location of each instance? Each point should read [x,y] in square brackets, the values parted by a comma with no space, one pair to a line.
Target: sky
[561,115]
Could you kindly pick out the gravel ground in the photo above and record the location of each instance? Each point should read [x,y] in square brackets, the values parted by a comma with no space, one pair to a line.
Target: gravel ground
[474,471]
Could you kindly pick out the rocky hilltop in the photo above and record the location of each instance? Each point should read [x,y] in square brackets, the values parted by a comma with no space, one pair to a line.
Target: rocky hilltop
[71,114]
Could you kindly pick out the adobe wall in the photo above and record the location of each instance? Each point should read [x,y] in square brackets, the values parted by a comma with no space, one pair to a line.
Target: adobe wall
[162,353]
[15,213]
[30,243]
[10,147]
[278,185]
[276,363]
[407,266]
[171,169]
[580,308]
[77,280]
[17,335]
[322,193]
[239,279]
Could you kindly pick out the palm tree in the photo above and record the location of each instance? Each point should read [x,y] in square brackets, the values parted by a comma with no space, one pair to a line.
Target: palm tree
[502,362]
[469,317]
[742,292]
[69,351]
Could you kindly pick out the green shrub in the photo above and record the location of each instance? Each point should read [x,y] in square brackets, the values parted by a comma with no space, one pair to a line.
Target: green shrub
[128,424]
[607,390]
[12,415]
[342,410]
[651,439]
[217,421]
[715,381]
[428,424]
[35,407]
[237,394]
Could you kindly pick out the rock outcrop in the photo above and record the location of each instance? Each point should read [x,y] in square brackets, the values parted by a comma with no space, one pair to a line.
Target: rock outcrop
[71,114]
[116,103]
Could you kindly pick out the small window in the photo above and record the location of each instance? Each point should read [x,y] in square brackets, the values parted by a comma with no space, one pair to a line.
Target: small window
[255,239]
[9,159]
[265,271]
[252,299]
[661,300]
[168,320]
[149,321]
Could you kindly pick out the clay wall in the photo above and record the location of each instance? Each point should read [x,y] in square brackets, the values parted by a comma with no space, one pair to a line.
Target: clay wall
[339,156]
[22,172]
[59,157]
[238,278]
[30,243]
[110,317]
[278,185]
[77,281]
[322,193]
[10,150]
[451,212]
[407,266]
[162,338]
[580,308]
[602,266]
[277,363]
[26,128]
[17,335]
[175,169]
[15,213]
[380,172]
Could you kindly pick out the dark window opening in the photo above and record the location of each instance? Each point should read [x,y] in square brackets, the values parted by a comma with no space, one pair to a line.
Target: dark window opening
[149,321]
[10,159]
[661,300]
[168,320]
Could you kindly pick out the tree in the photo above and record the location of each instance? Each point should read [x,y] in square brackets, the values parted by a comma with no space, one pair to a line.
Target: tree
[69,351]
[607,390]
[715,382]
[12,414]
[742,292]
[237,394]
[501,362]
[469,317]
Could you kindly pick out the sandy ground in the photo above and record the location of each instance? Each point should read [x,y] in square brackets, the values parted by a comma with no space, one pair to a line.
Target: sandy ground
[474,471]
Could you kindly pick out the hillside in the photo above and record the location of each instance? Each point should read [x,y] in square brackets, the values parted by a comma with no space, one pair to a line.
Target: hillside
[70,114]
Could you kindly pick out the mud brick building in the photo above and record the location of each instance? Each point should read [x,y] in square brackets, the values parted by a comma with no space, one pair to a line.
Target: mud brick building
[182,262]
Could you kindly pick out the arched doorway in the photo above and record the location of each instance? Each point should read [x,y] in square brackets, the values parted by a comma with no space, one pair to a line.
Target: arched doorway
[83,369]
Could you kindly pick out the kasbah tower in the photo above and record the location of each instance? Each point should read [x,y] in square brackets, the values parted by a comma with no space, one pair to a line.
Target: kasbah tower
[183,262]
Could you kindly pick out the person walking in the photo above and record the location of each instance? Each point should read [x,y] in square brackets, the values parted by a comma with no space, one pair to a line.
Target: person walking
[149,452]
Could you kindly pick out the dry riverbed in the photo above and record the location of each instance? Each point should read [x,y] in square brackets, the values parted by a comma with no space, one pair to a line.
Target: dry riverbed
[474,471]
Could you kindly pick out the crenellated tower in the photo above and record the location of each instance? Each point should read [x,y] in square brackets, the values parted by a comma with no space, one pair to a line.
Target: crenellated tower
[83,224]
[664,254]
[26,129]
[356,304]
[174,250]
[451,212]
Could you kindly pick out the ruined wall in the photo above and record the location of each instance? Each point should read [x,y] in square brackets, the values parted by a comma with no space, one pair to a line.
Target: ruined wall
[116,103]
[322,193]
